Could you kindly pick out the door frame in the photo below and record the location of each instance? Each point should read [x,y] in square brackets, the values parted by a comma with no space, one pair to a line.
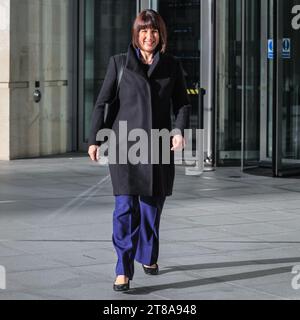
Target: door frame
[276,140]
[73,58]
[82,145]
[207,77]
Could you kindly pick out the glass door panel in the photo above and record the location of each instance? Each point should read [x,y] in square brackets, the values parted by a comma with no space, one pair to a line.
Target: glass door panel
[252,67]
[288,104]
[228,82]
[106,31]
[257,93]
[183,23]
[271,87]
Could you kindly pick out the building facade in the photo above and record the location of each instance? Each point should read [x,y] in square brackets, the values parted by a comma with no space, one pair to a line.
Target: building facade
[243,53]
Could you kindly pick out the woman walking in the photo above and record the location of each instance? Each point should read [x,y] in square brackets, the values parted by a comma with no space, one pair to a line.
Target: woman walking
[151,86]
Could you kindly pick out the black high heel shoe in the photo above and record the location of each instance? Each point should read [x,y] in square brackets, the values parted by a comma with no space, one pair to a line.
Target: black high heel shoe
[122,287]
[151,271]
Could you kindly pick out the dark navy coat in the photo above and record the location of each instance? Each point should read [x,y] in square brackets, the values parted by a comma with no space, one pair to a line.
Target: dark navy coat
[147,100]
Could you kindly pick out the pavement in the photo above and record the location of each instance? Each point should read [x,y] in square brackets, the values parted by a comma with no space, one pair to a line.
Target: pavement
[224,235]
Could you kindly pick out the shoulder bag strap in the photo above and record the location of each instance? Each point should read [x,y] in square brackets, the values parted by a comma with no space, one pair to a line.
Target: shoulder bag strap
[120,73]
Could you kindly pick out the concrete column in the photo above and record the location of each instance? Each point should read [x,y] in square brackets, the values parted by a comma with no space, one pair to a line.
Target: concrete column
[4,78]
[35,49]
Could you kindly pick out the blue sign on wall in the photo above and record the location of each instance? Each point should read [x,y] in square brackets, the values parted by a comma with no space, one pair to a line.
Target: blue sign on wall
[270,49]
[286,48]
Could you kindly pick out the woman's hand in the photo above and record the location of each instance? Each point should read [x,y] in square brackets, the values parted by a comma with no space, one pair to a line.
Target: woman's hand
[93,152]
[178,143]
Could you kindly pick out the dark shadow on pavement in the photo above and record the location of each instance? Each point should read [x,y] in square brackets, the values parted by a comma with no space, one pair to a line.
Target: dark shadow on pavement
[218,279]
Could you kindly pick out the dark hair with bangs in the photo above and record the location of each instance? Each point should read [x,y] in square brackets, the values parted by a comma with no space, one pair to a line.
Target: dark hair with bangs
[150,19]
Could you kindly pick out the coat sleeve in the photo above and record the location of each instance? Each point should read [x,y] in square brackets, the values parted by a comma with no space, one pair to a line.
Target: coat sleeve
[180,101]
[106,94]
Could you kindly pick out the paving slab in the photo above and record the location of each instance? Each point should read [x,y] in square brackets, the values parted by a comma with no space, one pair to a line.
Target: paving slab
[224,234]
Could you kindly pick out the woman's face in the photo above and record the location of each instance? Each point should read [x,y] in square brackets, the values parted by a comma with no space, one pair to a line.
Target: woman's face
[148,39]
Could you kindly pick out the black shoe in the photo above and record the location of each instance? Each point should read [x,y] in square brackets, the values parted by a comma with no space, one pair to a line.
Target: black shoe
[121,287]
[151,271]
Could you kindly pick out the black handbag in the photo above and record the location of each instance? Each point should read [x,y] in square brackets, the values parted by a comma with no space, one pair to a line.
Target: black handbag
[112,108]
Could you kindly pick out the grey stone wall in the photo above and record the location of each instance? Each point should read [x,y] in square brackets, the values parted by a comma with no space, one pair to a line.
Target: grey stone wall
[40,49]
[4,78]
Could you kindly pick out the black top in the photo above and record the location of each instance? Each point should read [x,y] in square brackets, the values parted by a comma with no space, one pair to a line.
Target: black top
[145,67]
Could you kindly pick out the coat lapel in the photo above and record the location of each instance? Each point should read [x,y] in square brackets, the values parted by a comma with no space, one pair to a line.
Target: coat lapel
[134,64]
[154,64]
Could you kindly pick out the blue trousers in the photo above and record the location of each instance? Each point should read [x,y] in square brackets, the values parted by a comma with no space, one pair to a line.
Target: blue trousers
[136,231]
